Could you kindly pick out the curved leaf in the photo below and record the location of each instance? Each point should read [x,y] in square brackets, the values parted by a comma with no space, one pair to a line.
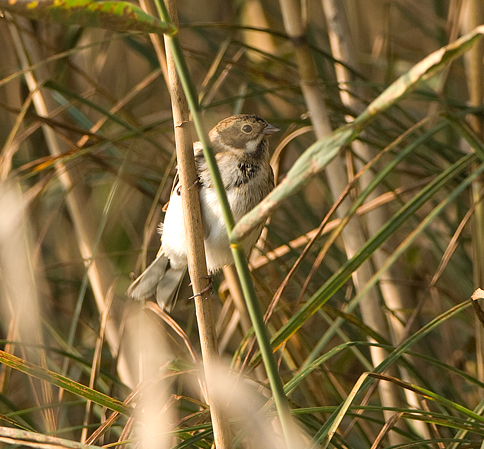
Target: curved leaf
[321,153]
[117,16]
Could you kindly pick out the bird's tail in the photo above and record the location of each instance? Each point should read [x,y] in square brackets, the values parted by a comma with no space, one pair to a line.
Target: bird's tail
[159,280]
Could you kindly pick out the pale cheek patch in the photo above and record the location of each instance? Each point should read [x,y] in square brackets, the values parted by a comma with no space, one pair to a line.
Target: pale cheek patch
[252,145]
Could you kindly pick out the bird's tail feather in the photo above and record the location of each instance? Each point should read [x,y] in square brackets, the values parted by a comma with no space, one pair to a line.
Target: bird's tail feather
[159,280]
[168,288]
[145,285]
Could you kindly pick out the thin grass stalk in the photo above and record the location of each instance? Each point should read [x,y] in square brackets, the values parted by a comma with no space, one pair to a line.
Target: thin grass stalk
[16,437]
[240,259]
[96,363]
[84,284]
[197,265]
[157,40]
[10,147]
[235,290]
[353,235]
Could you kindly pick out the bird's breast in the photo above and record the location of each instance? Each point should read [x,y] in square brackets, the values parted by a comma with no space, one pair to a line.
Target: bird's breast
[245,172]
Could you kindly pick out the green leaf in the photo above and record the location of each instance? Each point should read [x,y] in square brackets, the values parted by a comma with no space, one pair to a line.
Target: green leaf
[323,437]
[117,16]
[63,382]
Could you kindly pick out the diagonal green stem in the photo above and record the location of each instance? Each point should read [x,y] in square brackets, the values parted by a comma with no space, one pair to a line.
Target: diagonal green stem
[241,264]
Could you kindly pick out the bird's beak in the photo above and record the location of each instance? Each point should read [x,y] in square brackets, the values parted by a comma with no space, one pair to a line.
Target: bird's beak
[270,129]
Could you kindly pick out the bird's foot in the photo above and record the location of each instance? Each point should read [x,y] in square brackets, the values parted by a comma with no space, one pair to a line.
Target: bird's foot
[197,183]
[207,290]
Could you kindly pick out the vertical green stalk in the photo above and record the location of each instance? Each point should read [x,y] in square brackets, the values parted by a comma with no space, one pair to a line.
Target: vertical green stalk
[260,330]
[238,253]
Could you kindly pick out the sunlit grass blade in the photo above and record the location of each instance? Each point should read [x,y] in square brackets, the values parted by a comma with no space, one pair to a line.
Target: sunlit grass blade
[117,16]
[63,382]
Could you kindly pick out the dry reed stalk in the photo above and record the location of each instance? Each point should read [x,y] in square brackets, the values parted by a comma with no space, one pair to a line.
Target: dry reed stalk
[21,310]
[235,290]
[197,265]
[353,235]
[395,296]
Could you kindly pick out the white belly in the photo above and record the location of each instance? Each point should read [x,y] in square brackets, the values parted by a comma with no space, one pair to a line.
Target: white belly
[217,247]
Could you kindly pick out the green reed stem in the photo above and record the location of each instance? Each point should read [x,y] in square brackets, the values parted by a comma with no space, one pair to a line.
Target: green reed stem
[240,259]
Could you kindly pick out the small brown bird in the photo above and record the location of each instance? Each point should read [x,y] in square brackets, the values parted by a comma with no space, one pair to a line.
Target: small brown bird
[241,147]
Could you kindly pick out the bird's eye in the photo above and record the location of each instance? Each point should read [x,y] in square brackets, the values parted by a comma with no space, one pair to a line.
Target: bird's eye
[247,129]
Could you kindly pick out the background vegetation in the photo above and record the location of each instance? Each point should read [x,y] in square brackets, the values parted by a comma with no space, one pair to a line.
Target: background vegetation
[376,281]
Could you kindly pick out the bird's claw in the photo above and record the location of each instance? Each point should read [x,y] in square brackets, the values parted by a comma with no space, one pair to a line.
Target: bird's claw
[197,183]
[207,290]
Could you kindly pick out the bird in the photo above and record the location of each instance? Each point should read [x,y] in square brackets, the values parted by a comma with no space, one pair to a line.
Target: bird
[241,147]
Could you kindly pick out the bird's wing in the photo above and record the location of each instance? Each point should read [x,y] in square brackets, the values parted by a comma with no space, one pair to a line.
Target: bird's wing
[199,157]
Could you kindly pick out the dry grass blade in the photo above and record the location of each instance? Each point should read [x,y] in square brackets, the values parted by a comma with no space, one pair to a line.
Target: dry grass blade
[155,308]
[385,429]
[31,439]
